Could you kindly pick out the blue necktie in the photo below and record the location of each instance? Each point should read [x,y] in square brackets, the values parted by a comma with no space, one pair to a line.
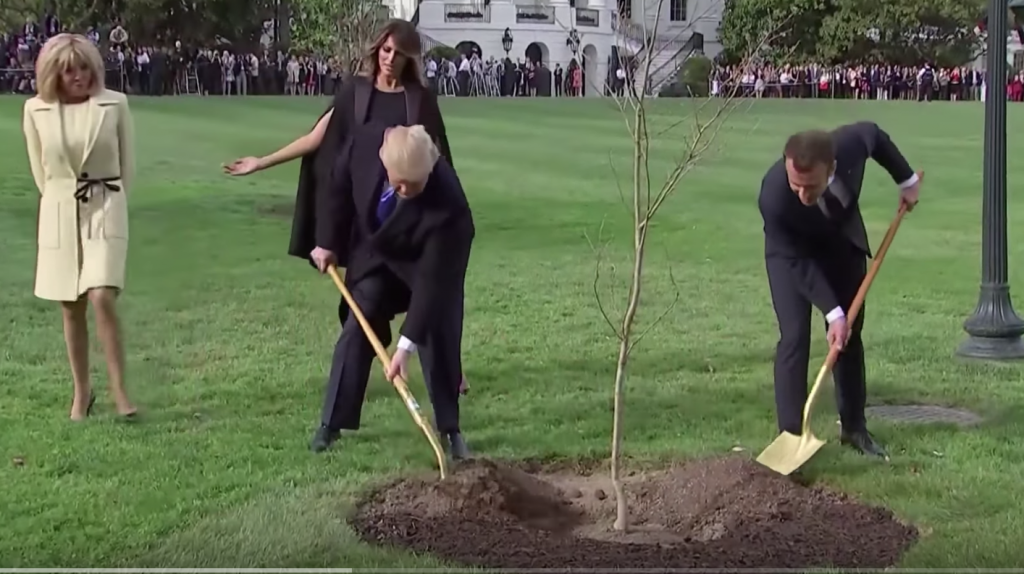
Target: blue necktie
[388,201]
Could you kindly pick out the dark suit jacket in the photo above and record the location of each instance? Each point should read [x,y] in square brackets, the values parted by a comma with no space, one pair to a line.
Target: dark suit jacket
[804,235]
[351,104]
[426,241]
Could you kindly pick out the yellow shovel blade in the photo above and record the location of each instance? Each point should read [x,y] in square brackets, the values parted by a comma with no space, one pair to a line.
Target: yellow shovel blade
[789,452]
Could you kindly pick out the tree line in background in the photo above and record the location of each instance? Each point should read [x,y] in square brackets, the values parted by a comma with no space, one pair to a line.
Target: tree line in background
[903,32]
[334,27]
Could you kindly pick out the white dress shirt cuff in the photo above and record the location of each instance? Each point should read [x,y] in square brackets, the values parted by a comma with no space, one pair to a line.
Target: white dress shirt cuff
[910,182]
[407,345]
[834,315]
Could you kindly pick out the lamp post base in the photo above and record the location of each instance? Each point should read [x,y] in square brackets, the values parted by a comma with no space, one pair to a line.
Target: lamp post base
[991,349]
[995,329]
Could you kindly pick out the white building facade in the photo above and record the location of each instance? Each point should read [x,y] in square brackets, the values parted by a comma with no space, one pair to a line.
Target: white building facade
[678,19]
[541,30]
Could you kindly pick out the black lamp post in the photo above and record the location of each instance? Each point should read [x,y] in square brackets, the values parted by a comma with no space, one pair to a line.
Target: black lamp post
[573,41]
[506,41]
[995,329]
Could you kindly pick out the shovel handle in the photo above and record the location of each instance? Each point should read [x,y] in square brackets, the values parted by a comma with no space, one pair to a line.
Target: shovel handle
[858,303]
[400,385]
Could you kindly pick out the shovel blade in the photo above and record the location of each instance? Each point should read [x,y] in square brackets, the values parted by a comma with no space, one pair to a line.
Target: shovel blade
[789,452]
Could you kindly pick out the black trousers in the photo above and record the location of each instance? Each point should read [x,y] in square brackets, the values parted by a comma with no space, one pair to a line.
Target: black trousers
[440,357]
[844,271]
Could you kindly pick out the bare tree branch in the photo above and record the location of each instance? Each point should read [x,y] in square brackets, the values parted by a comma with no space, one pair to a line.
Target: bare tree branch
[618,183]
[668,309]
[598,251]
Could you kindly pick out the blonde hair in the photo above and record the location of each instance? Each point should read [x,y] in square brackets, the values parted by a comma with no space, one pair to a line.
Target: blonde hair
[60,53]
[409,153]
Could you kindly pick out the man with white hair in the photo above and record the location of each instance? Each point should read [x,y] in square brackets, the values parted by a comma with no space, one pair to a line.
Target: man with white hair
[395,216]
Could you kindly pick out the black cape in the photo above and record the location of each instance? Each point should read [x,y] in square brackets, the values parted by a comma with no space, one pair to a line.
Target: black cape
[351,105]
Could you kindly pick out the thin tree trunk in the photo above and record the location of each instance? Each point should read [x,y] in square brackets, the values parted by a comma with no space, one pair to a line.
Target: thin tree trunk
[621,507]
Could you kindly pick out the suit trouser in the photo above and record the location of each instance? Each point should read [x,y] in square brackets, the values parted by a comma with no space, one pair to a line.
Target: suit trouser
[844,272]
[440,357]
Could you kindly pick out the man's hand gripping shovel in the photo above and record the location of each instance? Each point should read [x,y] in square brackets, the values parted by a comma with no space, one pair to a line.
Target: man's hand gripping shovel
[400,385]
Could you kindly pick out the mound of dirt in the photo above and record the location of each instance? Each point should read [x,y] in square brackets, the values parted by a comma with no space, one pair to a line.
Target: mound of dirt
[486,491]
[723,513]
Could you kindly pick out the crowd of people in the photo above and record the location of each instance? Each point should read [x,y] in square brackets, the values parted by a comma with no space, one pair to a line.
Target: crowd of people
[149,69]
[174,70]
[223,72]
[860,82]
[469,75]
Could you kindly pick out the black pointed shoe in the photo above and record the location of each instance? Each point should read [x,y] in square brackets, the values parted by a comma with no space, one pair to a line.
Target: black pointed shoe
[863,442]
[323,439]
[456,446]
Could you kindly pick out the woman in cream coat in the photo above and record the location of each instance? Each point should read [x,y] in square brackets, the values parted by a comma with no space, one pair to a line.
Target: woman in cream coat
[80,147]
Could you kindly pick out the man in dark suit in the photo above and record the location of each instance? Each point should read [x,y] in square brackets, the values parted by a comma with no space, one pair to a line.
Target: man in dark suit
[351,108]
[397,218]
[815,252]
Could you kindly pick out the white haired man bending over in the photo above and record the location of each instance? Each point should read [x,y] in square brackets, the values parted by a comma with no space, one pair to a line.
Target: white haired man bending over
[396,218]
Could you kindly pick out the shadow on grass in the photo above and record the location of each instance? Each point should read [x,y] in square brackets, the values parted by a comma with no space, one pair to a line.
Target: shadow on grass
[279,208]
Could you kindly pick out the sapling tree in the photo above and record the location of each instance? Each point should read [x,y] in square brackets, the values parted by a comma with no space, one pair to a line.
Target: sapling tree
[696,131]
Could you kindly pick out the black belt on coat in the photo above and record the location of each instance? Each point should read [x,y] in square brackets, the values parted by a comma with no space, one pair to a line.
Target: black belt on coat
[86,185]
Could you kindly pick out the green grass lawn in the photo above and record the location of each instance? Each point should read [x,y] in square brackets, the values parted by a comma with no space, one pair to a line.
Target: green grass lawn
[229,339]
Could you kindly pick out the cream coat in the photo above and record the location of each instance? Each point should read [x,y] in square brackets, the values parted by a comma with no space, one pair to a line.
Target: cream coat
[82,245]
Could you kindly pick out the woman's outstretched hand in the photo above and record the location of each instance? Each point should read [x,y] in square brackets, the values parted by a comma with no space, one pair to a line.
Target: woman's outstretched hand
[242,166]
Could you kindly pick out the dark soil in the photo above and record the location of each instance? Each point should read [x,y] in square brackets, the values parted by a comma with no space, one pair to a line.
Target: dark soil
[720,513]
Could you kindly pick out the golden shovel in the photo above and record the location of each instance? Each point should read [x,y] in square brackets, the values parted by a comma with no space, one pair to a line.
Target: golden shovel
[789,452]
[400,385]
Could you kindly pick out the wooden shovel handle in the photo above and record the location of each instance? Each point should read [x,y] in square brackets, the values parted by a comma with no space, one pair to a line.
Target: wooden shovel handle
[876,264]
[858,303]
[400,385]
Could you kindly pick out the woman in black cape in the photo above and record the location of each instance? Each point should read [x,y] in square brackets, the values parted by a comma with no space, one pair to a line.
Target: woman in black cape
[389,88]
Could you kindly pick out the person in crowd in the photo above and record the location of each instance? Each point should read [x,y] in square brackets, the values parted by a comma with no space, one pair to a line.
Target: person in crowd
[81,153]
[816,248]
[395,215]
[293,80]
[142,63]
[389,88]
[51,24]
[118,35]
[159,69]
[926,83]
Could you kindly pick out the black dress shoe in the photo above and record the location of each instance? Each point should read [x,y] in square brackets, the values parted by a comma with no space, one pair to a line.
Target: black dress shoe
[323,439]
[456,446]
[864,442]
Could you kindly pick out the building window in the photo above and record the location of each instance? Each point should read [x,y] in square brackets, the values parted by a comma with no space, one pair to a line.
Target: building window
[677,10]
[625,9]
